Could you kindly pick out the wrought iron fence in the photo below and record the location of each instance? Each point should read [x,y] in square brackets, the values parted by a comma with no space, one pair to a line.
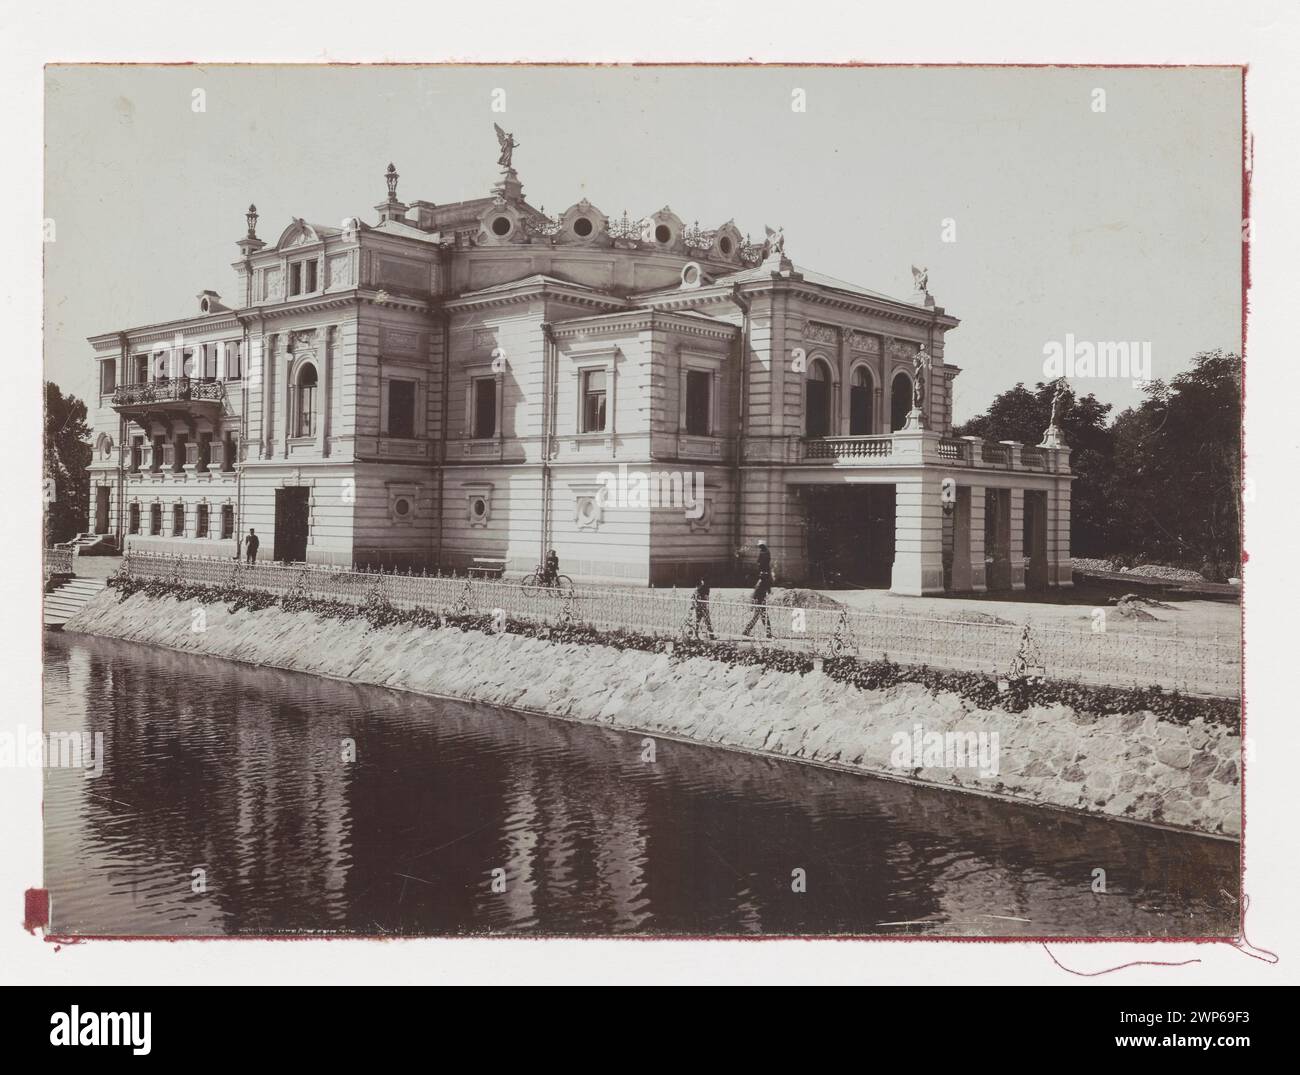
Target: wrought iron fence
[1191,663]
[58,562]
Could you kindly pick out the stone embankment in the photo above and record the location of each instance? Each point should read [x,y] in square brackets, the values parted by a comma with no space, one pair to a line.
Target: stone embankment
[1135,766]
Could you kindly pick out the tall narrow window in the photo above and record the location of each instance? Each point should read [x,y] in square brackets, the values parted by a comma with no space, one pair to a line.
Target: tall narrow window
[305,403]
[860,403]
[107,376]
[593,401]
[817,401]
[155,519]
[227,520]
[234,360]
[178,520]
[201,521]
[140,369]
[133,517]
[401,409]
[900,401]
[485,408]
[210,361]
[699,404]
[295,278]
[137,451]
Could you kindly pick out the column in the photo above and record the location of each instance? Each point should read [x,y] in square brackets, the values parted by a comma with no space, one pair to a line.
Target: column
[843,424]
[978,582]
[1060,567]
[961,572]
[918,535]
[1016,542]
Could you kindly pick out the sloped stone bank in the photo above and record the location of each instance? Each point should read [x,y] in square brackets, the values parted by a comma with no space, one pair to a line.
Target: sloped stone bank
[1134,766]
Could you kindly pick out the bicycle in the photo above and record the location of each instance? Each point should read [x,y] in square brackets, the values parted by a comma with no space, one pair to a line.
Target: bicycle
[536,584]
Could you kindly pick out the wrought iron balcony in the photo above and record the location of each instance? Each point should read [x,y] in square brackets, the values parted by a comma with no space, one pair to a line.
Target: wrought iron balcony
[179,394]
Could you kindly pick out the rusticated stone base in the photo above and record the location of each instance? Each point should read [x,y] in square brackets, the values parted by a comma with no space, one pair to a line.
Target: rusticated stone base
[1133,766]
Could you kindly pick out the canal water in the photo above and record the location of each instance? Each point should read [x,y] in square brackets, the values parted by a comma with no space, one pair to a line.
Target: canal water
[229,804]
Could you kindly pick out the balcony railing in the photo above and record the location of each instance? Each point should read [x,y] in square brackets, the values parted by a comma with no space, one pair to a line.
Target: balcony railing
[956,450]
[848,448]
[998,454]
[180,390]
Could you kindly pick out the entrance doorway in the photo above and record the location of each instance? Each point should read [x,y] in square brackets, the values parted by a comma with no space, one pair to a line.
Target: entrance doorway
[291,524]
[101,509]
[850,534]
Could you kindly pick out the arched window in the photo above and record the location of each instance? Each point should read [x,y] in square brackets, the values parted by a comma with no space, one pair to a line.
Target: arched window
[817,400]
[304,420]
[860,403]
[900,401]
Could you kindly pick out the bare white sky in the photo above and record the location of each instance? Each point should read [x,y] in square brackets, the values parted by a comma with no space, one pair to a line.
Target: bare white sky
[1115,225]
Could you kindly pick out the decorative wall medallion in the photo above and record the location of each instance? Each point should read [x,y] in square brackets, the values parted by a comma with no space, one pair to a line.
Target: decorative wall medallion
[478,502]
[701,523]
[588,504]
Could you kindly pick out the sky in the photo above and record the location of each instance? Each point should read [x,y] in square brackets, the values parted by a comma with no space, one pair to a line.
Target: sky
[1037,212]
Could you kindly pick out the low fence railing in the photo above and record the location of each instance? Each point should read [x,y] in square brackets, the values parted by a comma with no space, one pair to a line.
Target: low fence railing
[1193,664]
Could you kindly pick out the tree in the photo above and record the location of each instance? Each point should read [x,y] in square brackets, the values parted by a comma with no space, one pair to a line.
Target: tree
[67,457]
[1022,415]
[1177,476]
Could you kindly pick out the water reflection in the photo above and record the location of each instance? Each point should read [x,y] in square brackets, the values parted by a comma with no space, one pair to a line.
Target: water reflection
[226,807]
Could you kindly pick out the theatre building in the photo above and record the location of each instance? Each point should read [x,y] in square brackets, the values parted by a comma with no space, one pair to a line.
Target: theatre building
[472,383]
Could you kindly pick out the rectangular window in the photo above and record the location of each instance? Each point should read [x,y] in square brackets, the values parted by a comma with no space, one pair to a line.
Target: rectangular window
[140,369]
[234,360]
[133,517]
[107,376]
[485,408]
[302,277]
[210,361]
[137,452]
[178,520]
[201,522]
[227,520]
[155,518]
[593,401]
[189,368]
[699,404]
[401,409]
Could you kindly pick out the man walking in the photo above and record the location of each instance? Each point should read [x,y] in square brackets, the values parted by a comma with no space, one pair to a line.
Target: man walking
[250,546]
[761,589]
[703,622]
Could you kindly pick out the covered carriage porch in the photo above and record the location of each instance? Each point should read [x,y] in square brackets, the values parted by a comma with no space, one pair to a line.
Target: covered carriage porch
[931,530]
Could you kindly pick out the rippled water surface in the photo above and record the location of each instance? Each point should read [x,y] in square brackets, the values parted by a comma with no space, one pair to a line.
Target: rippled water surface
[238,773]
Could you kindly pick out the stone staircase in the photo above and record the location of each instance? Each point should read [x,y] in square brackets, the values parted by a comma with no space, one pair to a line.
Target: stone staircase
[66,600]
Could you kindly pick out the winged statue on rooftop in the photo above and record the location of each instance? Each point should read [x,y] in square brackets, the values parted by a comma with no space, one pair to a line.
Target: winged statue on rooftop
[508,147]
[774,244]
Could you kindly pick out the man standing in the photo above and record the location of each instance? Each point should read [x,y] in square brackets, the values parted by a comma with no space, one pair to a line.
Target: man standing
[761,589]
[700,602]
[250,546]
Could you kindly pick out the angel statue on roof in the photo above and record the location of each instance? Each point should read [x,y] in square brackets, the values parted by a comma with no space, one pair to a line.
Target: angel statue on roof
[508,146]
[774,244]
[921,279]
